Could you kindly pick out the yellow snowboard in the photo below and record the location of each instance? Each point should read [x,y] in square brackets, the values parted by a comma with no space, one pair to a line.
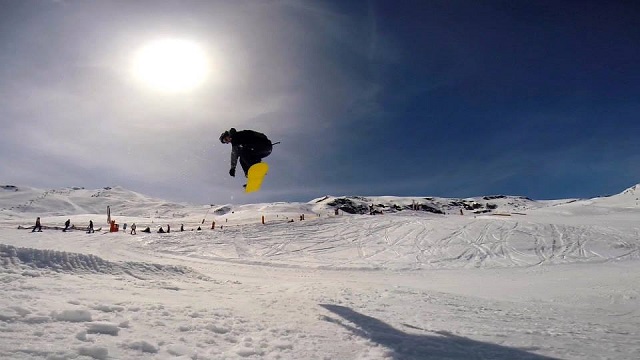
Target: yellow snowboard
[255,176]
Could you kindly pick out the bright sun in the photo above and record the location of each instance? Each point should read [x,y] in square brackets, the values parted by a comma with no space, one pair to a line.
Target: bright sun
[171,65]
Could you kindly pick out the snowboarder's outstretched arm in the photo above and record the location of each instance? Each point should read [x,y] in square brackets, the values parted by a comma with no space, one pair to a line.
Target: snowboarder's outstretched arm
[235,154]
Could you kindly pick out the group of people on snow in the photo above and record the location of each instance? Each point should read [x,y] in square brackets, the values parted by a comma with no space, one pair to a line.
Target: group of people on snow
[67,226]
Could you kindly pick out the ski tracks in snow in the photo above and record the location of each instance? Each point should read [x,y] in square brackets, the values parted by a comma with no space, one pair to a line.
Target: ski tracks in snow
[399,242]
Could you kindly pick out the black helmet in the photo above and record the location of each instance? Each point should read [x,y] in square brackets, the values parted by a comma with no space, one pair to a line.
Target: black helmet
[224,135]
[230,132]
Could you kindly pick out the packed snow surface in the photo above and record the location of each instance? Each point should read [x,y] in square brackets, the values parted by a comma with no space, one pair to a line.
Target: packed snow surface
[339,277]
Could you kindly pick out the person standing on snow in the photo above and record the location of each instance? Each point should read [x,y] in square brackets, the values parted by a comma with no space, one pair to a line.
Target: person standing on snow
[37,226]
[249,146]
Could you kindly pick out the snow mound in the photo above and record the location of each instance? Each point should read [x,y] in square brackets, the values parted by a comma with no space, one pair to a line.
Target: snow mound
[34,261]
[222,210]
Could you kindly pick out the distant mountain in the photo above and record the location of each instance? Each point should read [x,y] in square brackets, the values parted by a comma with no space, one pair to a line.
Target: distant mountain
[21,200]
[436,205]
[629,198]
[18,201]
[633,191]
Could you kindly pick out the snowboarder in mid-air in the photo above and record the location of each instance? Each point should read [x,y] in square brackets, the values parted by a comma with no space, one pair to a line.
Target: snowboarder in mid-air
[248,146]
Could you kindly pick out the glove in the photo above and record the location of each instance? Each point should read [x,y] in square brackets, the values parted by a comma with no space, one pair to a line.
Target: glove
[232,172]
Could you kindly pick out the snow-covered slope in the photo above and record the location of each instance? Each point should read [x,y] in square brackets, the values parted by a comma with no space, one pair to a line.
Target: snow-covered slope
[17,201]
[628,199]
[412,233]
[624,204]
[509,278]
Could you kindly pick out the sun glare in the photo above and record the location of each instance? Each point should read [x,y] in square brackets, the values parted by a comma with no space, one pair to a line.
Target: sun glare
[171,65]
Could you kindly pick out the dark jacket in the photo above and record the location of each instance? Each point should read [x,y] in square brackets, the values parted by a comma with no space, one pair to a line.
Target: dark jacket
[249,143]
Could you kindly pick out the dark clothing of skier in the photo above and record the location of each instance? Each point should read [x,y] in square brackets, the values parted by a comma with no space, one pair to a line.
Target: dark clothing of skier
[248,146]
[37,227]
[66,224]
[90,227]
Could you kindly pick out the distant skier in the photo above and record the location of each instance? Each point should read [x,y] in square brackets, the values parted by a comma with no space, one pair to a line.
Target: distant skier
[90,227]
[133,229]
[37,226]
[66,225]
[249,146]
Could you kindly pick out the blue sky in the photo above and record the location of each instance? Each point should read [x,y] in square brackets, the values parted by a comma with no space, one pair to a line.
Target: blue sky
[406,98]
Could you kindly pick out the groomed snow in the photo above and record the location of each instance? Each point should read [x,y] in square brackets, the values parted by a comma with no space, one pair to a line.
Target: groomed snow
[523,280]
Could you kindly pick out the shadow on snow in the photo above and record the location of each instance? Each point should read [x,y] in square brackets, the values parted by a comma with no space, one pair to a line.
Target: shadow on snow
[405,346]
